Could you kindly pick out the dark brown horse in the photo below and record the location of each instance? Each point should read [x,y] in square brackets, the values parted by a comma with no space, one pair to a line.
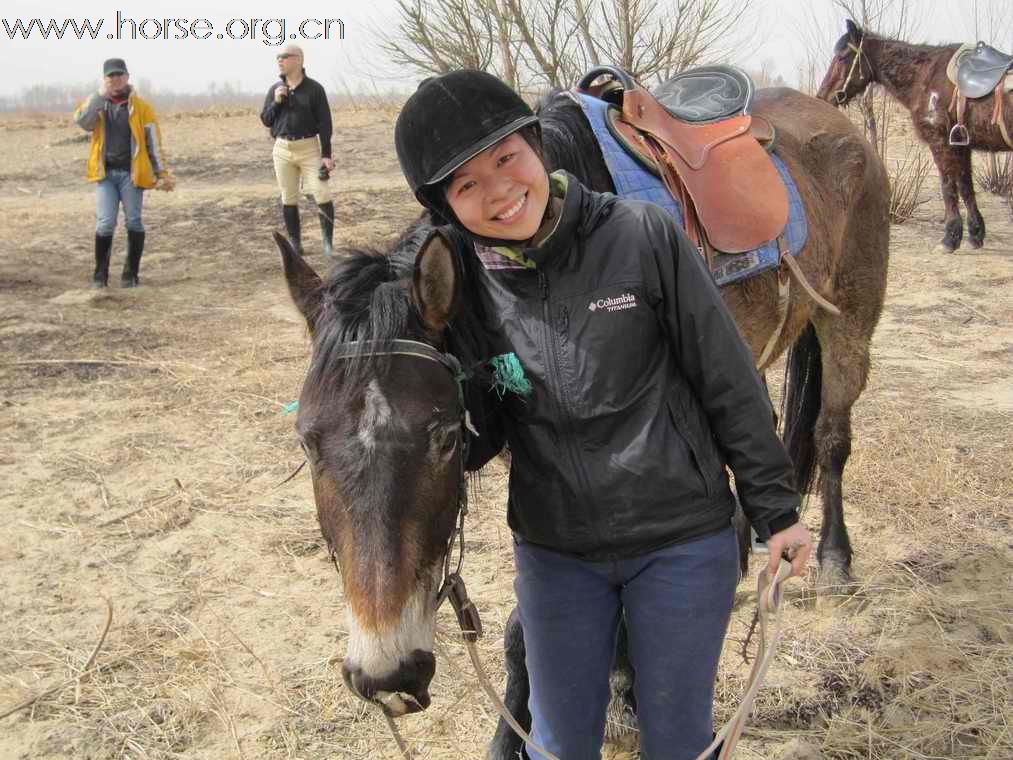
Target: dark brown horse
[844,189]
[915,75]
[382,426]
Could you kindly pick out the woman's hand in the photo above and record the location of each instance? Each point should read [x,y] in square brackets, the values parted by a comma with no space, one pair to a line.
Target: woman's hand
[798,544]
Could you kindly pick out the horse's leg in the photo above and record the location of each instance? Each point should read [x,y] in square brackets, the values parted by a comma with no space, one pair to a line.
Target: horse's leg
[965,183]
[948,164]
[844,343]
[506,744]
[845,363]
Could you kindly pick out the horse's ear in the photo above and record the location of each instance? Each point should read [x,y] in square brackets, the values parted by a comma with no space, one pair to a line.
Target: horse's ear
[434,285]
[854,30]
[303,282]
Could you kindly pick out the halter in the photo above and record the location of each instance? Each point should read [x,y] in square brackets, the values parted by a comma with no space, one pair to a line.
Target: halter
[841,95]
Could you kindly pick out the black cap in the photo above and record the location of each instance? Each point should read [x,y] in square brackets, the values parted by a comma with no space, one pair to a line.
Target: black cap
[451,119]
[114,66]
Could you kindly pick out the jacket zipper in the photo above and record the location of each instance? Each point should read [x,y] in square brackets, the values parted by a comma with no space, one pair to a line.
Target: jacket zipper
[565,415]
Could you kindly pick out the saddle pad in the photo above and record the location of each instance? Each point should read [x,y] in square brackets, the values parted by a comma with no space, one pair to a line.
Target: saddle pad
[633,181]
[706,93]
[962,52]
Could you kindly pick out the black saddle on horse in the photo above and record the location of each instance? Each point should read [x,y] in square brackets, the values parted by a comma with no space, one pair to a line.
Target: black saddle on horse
[706,94]
[981,71]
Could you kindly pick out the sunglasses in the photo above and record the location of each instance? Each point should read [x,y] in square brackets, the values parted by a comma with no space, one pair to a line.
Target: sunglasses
[285,56]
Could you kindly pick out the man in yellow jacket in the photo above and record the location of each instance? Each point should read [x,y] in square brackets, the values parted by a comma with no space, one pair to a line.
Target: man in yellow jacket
[126,159]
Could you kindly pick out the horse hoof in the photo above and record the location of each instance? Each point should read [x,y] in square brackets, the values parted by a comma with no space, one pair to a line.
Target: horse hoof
[976,244]
[834,580]
[945,248]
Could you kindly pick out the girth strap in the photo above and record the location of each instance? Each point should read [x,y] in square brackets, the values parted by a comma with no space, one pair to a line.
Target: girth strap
[783,297]
[796,270]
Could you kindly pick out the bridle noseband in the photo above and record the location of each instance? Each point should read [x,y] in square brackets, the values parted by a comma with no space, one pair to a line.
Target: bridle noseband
[842,94]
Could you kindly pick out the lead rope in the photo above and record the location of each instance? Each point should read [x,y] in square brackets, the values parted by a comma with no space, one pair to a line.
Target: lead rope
[504,713]
[768,602]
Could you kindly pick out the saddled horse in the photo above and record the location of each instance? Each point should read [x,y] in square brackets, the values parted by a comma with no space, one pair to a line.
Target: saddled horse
[918,77]
[381,417]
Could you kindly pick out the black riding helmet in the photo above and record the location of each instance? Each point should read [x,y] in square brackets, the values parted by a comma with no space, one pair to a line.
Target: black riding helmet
[449,120]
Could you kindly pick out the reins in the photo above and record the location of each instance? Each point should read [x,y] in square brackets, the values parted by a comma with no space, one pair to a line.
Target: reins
[453,588]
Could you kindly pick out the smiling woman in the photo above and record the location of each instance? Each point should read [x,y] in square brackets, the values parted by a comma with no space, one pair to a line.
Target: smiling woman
[502,192]
[619,500]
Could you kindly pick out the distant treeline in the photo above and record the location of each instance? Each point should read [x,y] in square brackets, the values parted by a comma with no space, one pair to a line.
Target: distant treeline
[66,97]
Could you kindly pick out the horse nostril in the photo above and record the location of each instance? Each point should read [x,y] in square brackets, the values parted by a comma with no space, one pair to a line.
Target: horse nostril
[402,692]
[424,664]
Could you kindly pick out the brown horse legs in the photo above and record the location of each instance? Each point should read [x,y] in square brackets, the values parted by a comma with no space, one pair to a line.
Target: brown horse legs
[965,184]
[833,442]
[844,343]
[948,163]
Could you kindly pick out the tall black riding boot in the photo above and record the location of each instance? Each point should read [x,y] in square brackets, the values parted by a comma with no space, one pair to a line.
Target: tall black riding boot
[291,214]
[327,227]
[132,266]
[103,249]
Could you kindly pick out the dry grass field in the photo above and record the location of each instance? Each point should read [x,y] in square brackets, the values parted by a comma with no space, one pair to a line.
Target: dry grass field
[142,441]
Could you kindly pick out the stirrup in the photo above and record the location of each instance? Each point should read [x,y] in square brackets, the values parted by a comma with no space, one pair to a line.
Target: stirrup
[959,136]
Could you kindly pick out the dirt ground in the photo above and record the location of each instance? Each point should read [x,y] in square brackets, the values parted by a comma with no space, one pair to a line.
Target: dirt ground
[143,439]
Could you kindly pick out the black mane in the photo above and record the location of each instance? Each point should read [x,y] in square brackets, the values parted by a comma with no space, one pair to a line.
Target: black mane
[366,297]
[568,143]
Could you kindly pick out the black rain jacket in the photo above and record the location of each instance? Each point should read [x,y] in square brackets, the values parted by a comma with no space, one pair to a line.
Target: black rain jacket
[643,390]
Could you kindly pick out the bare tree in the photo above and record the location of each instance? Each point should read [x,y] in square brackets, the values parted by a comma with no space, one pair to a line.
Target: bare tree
[992,21]
[552,42]
[436,37]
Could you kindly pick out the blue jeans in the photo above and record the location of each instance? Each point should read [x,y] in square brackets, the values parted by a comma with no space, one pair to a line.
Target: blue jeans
[116,188]
[677,602]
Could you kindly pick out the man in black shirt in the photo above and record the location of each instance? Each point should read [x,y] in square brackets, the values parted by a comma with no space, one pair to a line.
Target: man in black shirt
[297,112]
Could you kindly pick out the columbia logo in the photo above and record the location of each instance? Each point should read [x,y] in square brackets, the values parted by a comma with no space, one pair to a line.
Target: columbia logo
[618,303]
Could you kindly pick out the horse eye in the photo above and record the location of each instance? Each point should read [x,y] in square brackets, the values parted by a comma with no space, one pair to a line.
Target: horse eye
[443,439]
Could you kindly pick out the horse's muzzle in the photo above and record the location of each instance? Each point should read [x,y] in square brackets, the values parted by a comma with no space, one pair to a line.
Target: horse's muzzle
[402,692]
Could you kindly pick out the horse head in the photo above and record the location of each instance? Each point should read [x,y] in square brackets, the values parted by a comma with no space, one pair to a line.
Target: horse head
[381,421]
[850,70]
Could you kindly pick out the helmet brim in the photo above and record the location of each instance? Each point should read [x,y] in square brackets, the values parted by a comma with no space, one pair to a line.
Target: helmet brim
[484,144]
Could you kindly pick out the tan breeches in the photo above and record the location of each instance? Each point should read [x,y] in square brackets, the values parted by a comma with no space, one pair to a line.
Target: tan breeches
[295,159]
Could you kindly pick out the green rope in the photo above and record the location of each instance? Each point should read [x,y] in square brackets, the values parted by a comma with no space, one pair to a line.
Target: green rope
[291,407]
[508,375]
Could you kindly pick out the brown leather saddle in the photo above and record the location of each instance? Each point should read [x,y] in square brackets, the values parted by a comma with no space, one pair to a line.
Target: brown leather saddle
[696,132]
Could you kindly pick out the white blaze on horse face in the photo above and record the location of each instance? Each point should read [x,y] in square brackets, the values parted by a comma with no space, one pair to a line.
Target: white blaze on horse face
[931,113]
[375,415]
[379,653]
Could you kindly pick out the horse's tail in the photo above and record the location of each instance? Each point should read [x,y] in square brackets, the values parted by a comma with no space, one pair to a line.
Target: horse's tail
[800,406]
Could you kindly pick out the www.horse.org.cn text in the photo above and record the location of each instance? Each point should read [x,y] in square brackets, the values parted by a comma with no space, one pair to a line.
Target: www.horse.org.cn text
[269,31]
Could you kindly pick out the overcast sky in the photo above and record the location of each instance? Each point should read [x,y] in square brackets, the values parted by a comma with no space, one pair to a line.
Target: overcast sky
[189,65]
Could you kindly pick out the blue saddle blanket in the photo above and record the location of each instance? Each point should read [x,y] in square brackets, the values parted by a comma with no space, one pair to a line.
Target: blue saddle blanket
[632,180]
